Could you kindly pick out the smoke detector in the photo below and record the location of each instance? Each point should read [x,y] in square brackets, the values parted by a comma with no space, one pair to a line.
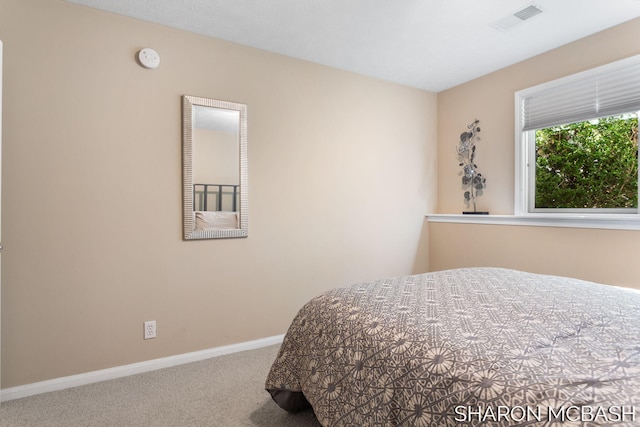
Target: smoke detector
[518,17]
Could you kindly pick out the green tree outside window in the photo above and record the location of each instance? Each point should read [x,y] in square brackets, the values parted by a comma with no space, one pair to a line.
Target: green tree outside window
[590,164]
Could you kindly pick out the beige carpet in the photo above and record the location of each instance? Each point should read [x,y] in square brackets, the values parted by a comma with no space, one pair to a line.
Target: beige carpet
[224,391]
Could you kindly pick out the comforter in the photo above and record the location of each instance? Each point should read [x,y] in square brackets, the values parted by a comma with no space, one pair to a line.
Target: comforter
[477,346]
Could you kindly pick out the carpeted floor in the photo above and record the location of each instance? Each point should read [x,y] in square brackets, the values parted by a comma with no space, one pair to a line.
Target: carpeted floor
[225,391]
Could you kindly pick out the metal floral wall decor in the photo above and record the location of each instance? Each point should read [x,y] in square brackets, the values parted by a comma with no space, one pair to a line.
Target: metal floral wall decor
[472,181]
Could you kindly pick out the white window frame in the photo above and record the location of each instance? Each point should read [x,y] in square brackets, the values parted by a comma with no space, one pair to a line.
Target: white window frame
[524,197]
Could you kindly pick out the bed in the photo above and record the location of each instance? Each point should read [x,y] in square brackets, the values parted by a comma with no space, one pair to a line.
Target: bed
[216,197]
[215,206]
[475,346]
[220,220]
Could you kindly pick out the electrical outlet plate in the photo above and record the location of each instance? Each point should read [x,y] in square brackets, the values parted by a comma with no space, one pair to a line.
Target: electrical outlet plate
[149,329]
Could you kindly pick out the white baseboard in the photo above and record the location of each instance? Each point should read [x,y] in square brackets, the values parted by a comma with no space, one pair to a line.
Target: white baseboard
[132,369]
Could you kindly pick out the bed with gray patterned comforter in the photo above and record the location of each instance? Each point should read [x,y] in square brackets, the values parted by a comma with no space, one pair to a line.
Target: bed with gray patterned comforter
[477,346]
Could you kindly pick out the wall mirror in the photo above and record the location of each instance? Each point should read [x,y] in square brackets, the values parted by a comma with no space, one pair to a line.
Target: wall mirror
[214,169]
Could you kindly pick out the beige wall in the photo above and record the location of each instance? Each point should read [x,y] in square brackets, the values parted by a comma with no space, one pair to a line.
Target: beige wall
[609,256]
[216,156]
[342,169]
[605,256]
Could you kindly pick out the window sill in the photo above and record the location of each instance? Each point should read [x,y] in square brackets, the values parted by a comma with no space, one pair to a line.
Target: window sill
[628,222]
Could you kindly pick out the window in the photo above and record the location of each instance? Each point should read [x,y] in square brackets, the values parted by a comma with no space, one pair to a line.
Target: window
[577,143]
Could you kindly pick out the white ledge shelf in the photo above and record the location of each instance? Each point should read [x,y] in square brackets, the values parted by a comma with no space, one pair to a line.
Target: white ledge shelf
[573,221]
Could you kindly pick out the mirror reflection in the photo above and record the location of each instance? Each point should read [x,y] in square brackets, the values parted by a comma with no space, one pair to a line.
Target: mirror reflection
[214,169]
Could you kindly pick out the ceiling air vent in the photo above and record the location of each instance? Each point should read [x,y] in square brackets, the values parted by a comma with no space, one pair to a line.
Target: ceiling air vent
[516,18]
[527,12]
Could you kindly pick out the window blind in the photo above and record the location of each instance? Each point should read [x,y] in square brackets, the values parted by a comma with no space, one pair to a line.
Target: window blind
[600,92]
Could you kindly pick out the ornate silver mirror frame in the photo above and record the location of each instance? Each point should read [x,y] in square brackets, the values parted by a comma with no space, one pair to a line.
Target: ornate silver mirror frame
[192,228]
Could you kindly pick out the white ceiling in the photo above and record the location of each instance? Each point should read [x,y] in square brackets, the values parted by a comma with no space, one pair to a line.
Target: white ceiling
[428,44]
